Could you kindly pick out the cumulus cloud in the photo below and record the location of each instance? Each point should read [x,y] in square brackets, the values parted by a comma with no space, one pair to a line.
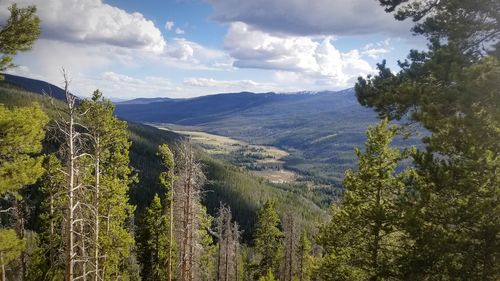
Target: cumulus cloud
[317,58]
[310,17]
[92,21]
[192,54]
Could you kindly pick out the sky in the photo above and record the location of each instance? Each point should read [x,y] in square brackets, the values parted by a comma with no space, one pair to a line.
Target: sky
[188,48]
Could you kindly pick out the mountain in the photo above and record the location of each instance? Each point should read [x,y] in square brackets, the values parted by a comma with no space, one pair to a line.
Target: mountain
[319,129]
[141,101]
[35,86]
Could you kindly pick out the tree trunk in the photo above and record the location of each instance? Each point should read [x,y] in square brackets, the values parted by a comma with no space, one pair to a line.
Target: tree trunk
[228,231]
[97,189]
[69,235]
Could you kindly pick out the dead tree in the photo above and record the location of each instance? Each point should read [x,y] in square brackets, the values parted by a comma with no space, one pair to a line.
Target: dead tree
[76,218]
[228,235]
[190,179]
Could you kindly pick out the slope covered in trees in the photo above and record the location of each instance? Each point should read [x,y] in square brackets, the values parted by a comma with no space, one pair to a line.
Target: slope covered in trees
[243,192]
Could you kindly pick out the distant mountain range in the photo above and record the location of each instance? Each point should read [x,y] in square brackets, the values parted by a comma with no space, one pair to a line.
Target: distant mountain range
[142,101]
[319,129]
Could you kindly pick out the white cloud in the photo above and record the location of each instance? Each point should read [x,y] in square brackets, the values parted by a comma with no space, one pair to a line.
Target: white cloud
[210,82]
[310,17]
[179,31]
[93,22]
[375,50]
[375,53]
[313,57]
[194,55]
[169,25]
[116,85]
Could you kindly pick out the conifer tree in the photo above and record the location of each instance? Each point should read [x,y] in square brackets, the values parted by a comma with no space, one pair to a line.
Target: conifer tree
[304,257]
[18,34]
[268,240]
[153,242]
[452,91]
[110,177]
[363,239]
[206,263]
[167,179]
[290,246]
[21,133]
[46,262]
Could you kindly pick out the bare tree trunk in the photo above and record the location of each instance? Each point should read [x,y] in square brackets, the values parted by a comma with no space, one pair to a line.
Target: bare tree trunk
[187,203]
[96,223]
[236,241]
[51,229]
[83,251]
[70,254]
[228,231]
[219,255]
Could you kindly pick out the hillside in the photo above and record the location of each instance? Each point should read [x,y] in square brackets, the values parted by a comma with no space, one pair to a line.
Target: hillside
[319,130]
[226,183]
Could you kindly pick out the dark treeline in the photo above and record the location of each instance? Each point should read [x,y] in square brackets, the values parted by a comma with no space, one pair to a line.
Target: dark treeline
[84,199]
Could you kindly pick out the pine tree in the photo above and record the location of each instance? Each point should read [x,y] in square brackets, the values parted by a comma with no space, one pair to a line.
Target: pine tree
[363,239]
[290,246]
[18,34]
[206,263]
[110,178]
[21,133]
[452,91]
[153,239]
[10,249]
[303,253]
[268,240]
[167,179]
[46,261]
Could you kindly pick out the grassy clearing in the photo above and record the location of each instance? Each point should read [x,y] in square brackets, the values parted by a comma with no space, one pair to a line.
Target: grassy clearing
[261,160]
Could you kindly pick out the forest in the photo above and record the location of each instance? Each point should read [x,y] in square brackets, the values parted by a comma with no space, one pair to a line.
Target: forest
[86,195]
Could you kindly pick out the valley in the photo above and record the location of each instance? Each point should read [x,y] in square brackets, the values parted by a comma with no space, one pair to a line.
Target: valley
[260,160]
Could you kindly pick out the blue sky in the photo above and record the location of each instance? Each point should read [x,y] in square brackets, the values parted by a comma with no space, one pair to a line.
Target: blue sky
[186,48]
